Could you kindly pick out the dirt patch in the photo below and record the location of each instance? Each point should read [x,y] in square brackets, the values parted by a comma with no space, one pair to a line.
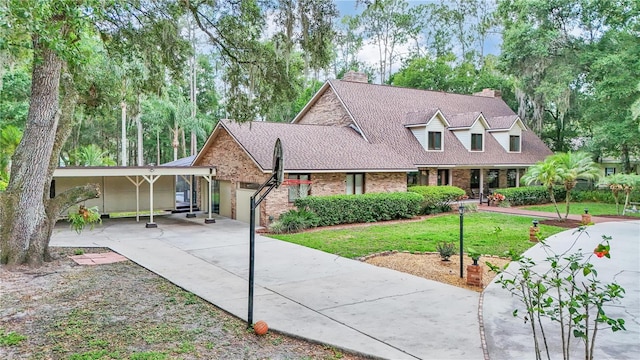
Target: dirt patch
[123,311]
[430,266]
[567,224]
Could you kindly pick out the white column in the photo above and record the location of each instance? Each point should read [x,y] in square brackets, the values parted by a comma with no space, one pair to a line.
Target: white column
[151,179]
[137,183]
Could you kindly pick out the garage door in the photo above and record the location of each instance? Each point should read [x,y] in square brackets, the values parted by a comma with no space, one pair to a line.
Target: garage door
[225,198]
[243,206]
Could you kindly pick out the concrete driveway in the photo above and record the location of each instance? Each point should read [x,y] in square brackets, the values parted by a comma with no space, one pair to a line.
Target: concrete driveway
[300,291]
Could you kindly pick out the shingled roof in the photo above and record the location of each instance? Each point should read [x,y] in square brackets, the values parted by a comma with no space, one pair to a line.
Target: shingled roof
[313,148]
[381,113]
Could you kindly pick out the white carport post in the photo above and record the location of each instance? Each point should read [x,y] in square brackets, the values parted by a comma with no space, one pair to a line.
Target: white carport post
[209,179]
[517,177]
[190,182]
[151,179]
[137,183]
[481,185]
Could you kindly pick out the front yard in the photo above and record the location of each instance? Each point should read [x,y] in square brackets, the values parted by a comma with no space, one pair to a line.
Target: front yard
[487,233]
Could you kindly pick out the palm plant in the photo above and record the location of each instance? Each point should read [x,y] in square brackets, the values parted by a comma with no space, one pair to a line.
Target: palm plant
[546,173]
[571,167]
[615,183]
[92,155]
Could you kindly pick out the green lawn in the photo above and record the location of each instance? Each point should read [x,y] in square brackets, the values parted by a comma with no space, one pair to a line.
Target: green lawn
[595,209]
[424,235]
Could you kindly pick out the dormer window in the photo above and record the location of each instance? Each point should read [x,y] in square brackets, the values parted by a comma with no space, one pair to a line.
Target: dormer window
[514,143]
[476,142]
[434,140]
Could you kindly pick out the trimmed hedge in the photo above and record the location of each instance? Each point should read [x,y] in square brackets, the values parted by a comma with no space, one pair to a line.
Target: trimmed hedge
[531,195]
[437,198]
[604,196]
[347,209]
[534,195]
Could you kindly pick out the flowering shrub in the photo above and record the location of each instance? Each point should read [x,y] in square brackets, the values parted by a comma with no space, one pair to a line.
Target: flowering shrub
[497,197]
[567,292]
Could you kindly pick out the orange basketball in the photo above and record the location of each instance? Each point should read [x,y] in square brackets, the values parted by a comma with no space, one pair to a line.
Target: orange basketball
[260,327]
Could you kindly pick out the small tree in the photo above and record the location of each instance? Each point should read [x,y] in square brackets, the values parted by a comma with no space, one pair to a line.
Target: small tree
[567,292]
[546,173]
[571,167]
[615,183]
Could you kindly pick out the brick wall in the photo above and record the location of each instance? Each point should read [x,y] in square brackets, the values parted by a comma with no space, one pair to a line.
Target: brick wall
[462,179]
[325,184]
[328,110]
[233,164]
[385,182]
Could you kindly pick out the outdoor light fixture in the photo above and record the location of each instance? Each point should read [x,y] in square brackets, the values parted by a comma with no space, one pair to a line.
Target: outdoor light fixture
[586,211]
[535,223]
[461,211]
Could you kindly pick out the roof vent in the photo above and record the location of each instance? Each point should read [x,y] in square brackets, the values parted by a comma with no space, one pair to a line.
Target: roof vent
[354,76]
[489,93]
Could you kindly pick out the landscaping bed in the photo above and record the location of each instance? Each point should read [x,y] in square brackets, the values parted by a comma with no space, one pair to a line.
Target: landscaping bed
[430,266]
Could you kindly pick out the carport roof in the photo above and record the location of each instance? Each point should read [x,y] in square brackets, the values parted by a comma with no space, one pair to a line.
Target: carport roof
[77,171]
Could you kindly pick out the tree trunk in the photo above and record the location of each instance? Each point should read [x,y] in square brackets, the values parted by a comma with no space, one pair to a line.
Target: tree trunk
[23,217]
[27,215]
[138,120]
[123,135]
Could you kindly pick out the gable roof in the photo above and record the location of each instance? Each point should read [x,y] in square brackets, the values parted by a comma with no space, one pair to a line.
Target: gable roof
[466,120]
[505,122]
[312,148]
[380,111]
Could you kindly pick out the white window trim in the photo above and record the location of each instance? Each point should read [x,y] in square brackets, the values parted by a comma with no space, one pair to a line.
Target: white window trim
[519,144]
[441,141]
[471,145]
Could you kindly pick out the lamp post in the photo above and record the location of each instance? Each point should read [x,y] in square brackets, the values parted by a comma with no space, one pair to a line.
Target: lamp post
[461,211]
[535,223]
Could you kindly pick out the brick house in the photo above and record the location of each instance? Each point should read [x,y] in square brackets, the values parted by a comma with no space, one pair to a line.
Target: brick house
[354,137]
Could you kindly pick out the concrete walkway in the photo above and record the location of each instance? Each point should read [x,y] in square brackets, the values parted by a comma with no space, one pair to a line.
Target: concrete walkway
[300,291]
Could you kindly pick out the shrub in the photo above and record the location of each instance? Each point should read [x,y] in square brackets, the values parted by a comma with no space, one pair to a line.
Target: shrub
[437,198]
[297,220]
[446,249]
[276,227]
[470,207]
[347,209]
[83,217]
[531,195]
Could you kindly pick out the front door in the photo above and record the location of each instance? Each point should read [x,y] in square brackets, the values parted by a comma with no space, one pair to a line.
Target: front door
[443,177]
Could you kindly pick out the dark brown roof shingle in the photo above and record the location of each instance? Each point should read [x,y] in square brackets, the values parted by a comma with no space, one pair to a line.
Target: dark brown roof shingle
[315,147]
[380,111]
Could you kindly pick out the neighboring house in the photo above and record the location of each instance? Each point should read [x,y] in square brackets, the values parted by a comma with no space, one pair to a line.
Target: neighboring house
[354,137]
[611,165]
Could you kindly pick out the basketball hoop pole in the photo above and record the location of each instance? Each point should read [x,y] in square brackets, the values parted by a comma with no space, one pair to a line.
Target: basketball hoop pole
[274,181]
[269,185]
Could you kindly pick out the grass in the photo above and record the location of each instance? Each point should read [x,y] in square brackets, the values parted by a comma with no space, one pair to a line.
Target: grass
[487,233]
[595,209]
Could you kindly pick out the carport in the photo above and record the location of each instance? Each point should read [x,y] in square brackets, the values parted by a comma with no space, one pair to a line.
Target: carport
[156,182]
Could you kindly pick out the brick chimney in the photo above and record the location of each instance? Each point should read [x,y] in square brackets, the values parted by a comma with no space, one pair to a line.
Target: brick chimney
[354,76]
[489,93]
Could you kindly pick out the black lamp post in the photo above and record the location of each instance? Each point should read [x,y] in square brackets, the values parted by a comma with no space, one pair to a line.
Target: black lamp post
[586,211]
[535,223]
[461,211]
